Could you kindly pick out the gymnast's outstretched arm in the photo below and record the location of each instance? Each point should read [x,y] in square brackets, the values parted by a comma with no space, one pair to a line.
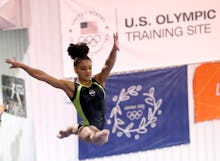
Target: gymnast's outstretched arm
[67,86]
[109,63]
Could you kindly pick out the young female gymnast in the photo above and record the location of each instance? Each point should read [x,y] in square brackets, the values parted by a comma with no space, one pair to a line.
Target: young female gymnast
[87,92]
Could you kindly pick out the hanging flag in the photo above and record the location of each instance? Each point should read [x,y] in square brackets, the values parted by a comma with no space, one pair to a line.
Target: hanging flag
[145,110]
[206,90]
[89,27]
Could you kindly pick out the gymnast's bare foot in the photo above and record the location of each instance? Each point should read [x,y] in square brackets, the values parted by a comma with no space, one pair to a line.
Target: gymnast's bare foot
[101,137]
[63,134]
[69,131]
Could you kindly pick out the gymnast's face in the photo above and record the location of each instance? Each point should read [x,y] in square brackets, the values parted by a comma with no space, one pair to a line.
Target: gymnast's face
[84,70]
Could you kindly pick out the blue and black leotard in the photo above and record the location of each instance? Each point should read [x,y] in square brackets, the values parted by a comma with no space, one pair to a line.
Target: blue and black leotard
[90,103]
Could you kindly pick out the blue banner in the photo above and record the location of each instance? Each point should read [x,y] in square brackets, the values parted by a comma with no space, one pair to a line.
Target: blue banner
[145,110]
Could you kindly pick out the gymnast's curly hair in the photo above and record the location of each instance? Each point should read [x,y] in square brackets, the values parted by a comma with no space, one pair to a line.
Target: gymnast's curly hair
[78,52]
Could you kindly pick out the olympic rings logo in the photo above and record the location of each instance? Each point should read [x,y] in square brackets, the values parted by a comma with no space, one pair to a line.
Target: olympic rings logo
[90,40]
[136,114]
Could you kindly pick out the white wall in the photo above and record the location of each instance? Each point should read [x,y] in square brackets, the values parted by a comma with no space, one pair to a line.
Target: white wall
[49,111]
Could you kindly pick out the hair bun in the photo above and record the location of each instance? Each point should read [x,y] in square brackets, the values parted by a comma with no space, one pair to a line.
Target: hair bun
[78,50]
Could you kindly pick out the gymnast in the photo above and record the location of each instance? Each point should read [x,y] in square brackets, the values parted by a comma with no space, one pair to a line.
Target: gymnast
[87,93]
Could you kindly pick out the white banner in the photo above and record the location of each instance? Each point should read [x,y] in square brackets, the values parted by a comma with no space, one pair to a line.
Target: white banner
[151,34]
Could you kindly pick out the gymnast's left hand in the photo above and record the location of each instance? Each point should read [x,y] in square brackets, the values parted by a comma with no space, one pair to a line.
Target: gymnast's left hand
[116,43]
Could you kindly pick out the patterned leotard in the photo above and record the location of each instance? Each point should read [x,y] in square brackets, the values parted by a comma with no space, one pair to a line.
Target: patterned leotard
[90,103]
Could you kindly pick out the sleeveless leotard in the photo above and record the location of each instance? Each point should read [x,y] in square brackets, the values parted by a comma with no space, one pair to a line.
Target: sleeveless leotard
[90,103]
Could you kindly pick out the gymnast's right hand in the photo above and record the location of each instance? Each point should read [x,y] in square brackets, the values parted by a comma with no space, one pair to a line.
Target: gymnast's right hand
[14,63]
[2,109]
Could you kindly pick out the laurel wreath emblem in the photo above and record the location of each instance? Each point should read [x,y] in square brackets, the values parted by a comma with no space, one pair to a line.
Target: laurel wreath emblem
[150,119]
